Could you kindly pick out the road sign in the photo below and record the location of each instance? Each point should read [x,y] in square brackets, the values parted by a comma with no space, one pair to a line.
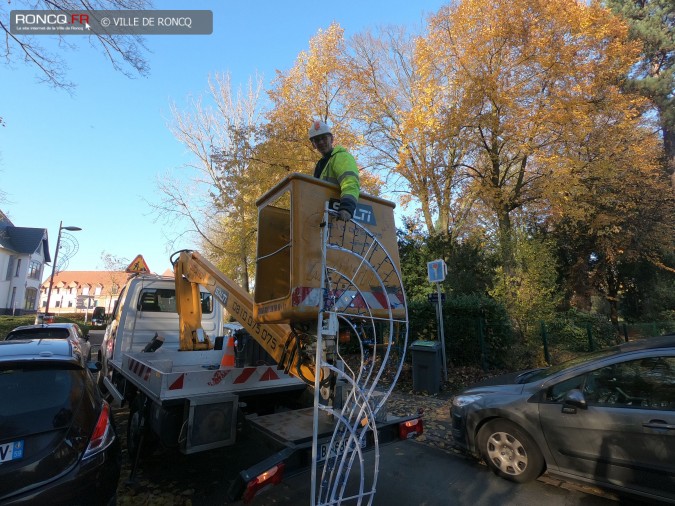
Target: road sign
[84,302]
[138,266]
[433,297]
[436,270]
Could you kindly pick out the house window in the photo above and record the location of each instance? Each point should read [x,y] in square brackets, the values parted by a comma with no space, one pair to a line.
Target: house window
[97,291]
[70,303]
[85,290]
[10,267]
[31,297]
[34,270]
[18,267]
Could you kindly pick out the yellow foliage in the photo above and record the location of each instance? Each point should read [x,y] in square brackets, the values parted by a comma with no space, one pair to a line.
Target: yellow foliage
[535,83]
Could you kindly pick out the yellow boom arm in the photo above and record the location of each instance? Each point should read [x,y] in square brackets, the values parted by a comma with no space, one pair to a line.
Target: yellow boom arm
[192,270]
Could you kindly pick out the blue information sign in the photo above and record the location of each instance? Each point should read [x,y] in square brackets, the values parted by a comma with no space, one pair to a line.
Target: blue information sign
[436,271]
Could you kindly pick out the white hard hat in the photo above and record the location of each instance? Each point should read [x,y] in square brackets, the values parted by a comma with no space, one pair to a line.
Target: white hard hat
[319,128]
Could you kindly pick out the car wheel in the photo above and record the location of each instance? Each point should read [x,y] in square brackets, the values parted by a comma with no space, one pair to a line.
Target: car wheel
[509,451]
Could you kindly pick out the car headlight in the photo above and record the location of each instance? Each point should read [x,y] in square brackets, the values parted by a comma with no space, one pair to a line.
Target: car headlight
[462,400]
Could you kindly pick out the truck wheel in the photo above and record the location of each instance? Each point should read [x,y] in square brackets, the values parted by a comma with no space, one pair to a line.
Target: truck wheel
[137,425]
[509,451]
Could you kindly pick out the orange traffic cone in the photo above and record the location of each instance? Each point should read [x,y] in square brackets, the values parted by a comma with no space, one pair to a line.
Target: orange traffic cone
[228,356]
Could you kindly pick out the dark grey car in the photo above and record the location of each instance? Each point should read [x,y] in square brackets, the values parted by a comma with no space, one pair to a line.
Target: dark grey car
[58,443]
[607,418]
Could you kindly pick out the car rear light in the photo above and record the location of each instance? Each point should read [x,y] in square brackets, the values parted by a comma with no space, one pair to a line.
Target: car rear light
[410,428]
[272,476]
[103,434]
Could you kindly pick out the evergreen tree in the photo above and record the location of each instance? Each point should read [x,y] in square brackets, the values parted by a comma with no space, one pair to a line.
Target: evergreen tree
[653,23]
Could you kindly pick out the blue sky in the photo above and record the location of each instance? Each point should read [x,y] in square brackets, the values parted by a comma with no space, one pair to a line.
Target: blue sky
[92,159]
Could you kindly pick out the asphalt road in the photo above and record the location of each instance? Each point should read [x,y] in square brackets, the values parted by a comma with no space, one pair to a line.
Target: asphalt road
[96,337]
[411,473]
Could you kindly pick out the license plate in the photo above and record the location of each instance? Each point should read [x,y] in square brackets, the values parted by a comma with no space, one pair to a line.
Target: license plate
[338,449]
[11,451]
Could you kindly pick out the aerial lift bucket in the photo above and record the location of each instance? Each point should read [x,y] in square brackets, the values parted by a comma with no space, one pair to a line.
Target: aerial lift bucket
[289,255]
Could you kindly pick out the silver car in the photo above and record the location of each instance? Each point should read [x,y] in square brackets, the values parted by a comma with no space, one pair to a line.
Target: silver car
[607,418]
[71,331]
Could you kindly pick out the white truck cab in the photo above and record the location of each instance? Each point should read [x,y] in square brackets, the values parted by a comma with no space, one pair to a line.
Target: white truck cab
[146,308]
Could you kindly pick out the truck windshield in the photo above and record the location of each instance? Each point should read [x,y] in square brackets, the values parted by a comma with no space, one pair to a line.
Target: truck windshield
[163,300]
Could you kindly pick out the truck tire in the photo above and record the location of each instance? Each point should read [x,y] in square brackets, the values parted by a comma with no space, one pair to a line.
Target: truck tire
[509,451]
[137,426]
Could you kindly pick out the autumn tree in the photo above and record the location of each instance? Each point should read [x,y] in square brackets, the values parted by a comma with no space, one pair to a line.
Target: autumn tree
[411,143]
[652,22]
[311,89]
[615,209]
[519,73]
[314,88]
[218,196]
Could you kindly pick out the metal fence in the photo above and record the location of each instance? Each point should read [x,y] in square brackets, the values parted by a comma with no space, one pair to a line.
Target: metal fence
[588,337]
[477,341]
[471,341]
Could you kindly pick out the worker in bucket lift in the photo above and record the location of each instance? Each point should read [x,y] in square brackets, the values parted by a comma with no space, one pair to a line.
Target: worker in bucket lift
[336,166]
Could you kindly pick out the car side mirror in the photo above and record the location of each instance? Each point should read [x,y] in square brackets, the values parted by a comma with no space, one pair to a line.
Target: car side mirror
[574,399]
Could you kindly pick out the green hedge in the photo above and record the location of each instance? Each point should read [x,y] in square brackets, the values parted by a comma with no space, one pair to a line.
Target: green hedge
[476,329]
[7,323]
[579,332]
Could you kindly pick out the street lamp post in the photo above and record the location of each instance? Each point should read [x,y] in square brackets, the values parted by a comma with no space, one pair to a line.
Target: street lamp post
[56,256]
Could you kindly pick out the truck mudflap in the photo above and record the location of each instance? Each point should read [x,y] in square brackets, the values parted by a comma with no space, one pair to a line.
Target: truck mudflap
[293,439]
[117,396]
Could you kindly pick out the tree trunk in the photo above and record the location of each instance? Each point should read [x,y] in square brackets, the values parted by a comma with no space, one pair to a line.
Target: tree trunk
[669,148]
[613,295]
[506,242]
[244,275]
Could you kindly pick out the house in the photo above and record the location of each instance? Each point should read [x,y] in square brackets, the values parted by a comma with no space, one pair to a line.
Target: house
[24,252]
[81,291]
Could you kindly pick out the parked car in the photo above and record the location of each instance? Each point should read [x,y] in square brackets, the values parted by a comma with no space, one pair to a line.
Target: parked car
[71,331]
[58,443]
[607,418]
[98,316]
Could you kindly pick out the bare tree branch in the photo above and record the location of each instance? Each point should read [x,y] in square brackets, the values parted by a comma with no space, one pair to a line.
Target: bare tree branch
[124,52]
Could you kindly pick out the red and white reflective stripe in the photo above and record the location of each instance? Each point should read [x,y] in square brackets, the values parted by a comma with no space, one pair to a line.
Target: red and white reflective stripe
[244,376]
[269,375]
[139,369]
[306,296]
[178,383]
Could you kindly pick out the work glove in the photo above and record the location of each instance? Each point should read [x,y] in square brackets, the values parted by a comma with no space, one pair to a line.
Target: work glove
[344,215]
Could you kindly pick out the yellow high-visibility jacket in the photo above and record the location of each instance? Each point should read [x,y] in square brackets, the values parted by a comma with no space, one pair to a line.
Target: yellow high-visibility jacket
[340,167]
